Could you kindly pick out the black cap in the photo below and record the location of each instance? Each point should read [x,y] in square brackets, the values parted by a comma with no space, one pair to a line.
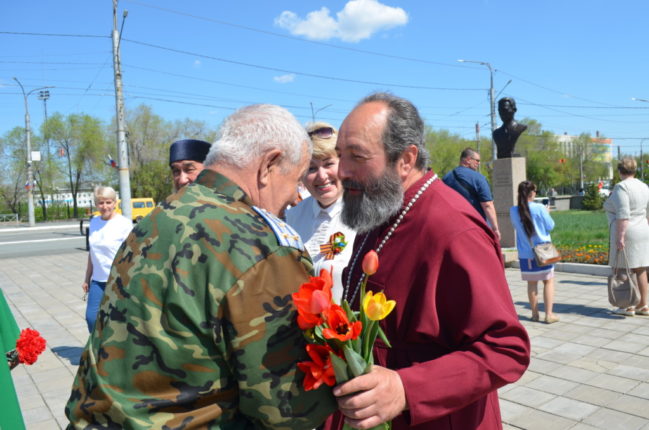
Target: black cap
[189,149]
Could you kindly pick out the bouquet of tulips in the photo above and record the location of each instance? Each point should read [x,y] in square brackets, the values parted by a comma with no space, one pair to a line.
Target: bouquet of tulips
[339,340]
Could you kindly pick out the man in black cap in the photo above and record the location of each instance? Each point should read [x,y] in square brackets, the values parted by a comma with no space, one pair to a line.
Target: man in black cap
[186,160]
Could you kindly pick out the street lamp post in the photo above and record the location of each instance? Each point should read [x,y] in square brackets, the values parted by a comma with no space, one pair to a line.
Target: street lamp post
[641,140]
[28,142]
[492,106]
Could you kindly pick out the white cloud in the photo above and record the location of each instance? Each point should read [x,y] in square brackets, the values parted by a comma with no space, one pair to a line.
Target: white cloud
[358,20]
[284,79]
[197,64]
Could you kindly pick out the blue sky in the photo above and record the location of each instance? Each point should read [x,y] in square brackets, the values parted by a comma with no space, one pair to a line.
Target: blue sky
[574,65]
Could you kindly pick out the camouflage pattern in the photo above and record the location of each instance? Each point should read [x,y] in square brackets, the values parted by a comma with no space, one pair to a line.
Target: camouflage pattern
[197,327]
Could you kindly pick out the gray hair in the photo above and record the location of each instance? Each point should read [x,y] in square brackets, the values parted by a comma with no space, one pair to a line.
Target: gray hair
[102,192]
[467,153]
[253,130]
[404,127]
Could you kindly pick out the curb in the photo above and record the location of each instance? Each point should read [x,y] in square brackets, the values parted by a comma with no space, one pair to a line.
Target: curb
[579,268]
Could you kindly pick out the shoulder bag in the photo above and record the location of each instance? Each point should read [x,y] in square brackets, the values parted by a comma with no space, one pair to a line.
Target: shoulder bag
[545,253]
[623,290]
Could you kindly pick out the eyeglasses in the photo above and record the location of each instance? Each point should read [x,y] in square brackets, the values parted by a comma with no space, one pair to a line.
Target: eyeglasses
[322,132]
[476,159]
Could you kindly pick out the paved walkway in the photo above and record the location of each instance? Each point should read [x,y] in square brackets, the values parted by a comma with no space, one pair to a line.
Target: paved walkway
[589,371]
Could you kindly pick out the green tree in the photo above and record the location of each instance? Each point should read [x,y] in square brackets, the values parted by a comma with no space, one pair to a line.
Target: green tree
[149,139]
[445,149]
[592,199]
[81,138]
[14,165]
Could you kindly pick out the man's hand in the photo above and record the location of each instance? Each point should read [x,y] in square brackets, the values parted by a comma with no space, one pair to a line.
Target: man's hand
[371,399]
[497,233]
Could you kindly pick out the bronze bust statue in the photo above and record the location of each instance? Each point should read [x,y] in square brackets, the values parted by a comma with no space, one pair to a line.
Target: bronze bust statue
[507,134]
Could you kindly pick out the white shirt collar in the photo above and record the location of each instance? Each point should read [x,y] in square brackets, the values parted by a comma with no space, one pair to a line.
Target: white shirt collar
[332,210]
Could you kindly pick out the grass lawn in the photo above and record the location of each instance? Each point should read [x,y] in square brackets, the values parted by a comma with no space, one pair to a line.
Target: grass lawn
[581,236]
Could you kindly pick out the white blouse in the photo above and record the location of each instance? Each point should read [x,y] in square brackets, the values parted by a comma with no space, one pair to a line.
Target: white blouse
[315,226]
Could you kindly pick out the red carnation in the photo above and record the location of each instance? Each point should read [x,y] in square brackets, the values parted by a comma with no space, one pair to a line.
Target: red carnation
[29,346]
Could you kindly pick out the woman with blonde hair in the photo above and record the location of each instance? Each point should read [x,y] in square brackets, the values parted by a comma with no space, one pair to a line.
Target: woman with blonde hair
[533,225]
[107,231]
[627,209]
[317,218]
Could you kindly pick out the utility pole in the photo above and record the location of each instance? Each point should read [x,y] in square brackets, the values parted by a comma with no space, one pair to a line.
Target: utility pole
[28,143]
[122,149]
[477,139]
[492,103]
[641,160]
[45,95]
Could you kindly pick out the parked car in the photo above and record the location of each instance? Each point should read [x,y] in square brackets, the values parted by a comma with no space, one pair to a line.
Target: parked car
[140,207]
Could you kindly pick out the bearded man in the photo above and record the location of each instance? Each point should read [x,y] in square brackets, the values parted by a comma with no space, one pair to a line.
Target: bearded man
[455,334]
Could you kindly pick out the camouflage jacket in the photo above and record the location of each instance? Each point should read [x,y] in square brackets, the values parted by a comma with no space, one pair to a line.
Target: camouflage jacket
[197,327]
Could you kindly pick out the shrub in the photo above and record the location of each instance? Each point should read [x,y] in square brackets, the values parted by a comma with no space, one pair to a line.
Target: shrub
[592,199]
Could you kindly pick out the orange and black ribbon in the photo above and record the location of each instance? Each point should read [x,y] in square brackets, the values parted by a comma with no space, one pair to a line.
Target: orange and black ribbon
[334,246]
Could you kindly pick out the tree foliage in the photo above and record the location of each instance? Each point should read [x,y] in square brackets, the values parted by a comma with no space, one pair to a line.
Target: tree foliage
[593,200]
[14,166]
[149,137]
[81,138]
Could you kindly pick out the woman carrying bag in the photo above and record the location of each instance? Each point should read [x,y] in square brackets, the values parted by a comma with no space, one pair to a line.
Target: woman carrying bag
[533,225]
[627,210]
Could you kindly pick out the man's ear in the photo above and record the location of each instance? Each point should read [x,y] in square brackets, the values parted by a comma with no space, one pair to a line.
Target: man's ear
[407,160]
[268,162]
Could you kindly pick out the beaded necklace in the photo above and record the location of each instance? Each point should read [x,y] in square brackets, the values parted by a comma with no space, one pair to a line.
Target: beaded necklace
[384,241]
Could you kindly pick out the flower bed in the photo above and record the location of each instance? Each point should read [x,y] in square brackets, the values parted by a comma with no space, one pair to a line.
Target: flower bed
[589,254]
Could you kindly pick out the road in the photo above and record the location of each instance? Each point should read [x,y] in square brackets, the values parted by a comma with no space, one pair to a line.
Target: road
[41,240]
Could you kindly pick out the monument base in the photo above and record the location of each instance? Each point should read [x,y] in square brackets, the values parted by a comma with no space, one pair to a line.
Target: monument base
[507,174]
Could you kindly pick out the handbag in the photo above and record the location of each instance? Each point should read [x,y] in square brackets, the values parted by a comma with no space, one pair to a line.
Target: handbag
[545,253]
[623,290]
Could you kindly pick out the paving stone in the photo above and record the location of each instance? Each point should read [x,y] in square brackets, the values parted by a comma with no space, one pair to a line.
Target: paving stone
[641,390]
[527,396]
[592,395]
[569,408]
[632,405]
[540,420]
[630,372]
[45,425]
[582,426]
[606,418]
[37,415]
[551,385]
[615,383]
[572,373]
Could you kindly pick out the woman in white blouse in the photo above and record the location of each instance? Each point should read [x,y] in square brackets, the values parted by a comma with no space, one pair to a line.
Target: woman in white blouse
[627,209]
[317,218]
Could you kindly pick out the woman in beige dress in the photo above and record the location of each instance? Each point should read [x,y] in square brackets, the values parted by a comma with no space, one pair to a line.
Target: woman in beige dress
[627,209]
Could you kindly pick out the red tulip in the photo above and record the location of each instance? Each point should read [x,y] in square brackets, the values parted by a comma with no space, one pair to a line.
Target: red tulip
[319,370]
[312,299]
[339,326]
[370,263]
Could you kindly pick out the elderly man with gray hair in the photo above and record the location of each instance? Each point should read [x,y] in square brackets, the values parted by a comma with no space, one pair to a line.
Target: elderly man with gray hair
[197,328]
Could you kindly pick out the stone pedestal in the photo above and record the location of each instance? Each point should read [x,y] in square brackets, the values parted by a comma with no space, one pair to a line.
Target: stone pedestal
[507,174]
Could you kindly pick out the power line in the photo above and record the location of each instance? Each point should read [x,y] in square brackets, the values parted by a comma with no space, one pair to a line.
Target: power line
[277,69]
[21,33]
[235,85]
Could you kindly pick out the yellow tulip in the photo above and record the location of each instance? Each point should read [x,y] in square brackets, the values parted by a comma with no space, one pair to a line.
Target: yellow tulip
[376,306]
